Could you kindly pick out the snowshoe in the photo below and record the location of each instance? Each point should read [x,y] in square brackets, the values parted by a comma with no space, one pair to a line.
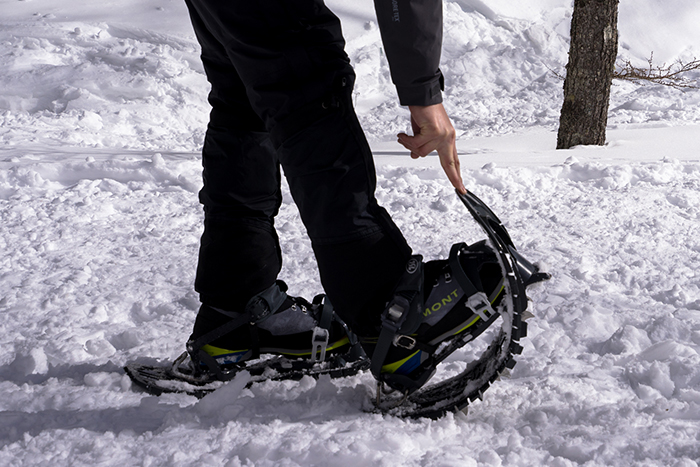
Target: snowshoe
[272,323]
[420,329]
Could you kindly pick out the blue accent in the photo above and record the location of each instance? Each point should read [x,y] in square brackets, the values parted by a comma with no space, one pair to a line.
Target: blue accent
[410,364]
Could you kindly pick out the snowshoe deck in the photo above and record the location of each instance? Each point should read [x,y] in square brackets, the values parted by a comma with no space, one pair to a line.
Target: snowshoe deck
[160,379]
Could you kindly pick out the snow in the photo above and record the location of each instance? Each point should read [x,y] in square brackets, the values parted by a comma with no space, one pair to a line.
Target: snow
[102,111]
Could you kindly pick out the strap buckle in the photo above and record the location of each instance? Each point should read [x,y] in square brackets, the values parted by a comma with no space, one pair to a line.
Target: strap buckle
[481,305]
[266,303]
[406,342]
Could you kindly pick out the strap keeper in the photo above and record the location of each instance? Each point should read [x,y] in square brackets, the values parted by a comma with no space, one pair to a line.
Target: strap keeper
[396,312]
[319,343]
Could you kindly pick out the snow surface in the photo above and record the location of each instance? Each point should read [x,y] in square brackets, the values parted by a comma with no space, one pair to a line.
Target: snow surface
[102,111]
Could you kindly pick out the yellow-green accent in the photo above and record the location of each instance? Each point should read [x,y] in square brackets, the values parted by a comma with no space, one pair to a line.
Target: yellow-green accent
[333,346]
[217,351]
[476,318]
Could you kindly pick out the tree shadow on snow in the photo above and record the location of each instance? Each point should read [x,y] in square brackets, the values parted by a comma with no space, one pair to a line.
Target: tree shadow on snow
[306,401]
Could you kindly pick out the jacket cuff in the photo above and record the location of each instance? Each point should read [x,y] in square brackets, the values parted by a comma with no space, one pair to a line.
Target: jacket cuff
[429,93]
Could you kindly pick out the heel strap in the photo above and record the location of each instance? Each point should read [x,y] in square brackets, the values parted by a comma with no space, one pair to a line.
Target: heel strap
[402,315]
[258,308]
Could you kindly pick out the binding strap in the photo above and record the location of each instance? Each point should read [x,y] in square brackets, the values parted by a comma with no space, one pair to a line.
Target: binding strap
[402,315]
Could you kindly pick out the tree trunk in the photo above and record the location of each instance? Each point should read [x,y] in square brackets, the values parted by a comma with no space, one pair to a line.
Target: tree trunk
[592,55]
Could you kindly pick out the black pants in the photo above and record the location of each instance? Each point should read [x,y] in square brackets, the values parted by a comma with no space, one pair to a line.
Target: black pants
[281,94]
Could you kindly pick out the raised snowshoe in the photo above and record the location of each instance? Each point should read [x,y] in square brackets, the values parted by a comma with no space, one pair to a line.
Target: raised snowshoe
[440,306]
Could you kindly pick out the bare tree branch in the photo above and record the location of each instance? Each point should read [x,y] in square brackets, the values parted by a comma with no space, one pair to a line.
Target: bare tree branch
[558,75]
[672,75]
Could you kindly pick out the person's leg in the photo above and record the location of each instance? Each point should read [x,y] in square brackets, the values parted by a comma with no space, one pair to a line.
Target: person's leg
[360,252]
[239,254]
[290,57]
[297,80]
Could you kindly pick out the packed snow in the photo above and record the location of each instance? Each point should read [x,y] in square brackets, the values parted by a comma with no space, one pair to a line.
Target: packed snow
[103,110]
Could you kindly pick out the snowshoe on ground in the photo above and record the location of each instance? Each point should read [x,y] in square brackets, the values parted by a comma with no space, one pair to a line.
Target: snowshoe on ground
[272,323]
[294,338]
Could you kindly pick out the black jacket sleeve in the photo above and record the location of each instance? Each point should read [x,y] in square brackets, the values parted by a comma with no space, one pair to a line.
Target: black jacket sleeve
[412,36]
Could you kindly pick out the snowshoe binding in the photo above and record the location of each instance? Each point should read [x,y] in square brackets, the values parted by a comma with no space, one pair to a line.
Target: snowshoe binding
[297,339]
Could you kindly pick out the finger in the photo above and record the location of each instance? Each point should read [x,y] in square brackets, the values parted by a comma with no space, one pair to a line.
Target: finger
[409,143]
[449,160]
[415,126]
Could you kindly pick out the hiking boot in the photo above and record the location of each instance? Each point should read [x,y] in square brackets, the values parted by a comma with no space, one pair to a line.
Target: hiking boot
[452,301]
[273,323]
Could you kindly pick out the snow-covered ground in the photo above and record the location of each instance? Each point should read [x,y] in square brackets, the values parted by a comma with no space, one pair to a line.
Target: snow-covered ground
[102,112]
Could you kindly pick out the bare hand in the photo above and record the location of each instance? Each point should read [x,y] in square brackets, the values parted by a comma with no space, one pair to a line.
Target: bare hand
[433,131]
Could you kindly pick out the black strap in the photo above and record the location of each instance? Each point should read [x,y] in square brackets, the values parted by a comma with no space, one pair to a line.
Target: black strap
[266,303]
[326,317]
[477,300]
[403,313]
[213,366]
[458,272]
[395,314]
[194,346]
